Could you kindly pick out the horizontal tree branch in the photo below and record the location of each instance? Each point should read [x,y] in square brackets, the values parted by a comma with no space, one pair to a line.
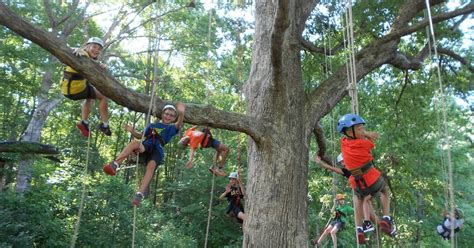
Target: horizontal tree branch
[109,86]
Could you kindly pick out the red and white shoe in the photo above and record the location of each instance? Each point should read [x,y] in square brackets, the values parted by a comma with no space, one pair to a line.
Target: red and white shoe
[110,169]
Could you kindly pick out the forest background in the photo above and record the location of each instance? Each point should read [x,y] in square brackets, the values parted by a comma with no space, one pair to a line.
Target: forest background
[195,62]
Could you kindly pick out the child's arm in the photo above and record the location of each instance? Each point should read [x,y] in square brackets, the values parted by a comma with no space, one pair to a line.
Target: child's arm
[134,132]
[227,190]
[372,136]
[181,107]
[323,164]
[189,164]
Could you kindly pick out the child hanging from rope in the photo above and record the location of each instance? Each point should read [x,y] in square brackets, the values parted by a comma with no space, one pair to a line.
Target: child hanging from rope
[195,138]
[444,229]
[338,222]
[234,192]
[75,87]
[157,135]
[365,179]
[345,172]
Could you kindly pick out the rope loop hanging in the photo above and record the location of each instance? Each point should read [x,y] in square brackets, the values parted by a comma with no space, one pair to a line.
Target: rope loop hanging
[446,146]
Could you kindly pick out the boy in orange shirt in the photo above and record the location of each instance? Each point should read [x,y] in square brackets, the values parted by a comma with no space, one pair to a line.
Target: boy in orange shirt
[195,138]
[365,179]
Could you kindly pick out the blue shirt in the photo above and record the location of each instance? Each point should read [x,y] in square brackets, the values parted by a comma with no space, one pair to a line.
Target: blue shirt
[165,131]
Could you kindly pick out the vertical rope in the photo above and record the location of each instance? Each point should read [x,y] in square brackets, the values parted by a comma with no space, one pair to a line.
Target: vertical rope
[83,195]
[207,99]
[445,126]
[148,117]
[209,212]
[351,79]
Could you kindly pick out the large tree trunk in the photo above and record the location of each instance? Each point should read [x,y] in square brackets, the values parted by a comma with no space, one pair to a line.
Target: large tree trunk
[277,185]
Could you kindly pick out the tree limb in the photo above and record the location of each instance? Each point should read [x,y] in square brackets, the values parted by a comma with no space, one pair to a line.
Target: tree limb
[321,141]
[109,86]
[49,13]
[26,147]
[396,34]
[457,57]
[310,47]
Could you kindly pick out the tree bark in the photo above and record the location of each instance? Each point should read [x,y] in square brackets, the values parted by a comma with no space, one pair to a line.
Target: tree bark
[277,166]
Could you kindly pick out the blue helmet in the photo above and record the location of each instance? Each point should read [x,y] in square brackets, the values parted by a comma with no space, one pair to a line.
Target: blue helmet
[348,120]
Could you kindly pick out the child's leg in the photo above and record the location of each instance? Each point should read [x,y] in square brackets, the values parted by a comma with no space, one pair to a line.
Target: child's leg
[150,170]
[241,216]
[359,203]
[367,210]
[221,155]
[129,149]
[385,200]
[334,235]
[86,108]
[324,234]
[103,106]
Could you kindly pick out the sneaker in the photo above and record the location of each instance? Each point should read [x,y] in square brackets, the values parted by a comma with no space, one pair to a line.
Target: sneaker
[138,198]
[111,169]
[84,128]
[104,129]
[220,172]
[367,226]
[388,227]
[217,171]
[360,236]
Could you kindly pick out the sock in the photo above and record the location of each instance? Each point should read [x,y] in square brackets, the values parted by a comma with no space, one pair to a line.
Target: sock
[359,227]
[387,216]
[105,124]
[85,122]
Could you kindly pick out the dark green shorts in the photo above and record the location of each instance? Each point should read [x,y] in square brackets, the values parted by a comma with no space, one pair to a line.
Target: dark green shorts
[378,186]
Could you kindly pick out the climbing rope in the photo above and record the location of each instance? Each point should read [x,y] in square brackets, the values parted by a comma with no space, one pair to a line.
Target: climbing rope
[445,133]
[148,116]
[207,98]
[83,195]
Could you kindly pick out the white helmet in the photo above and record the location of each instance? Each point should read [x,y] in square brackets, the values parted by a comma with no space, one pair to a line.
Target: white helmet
[95,40]
[169,106]
[233,175]
[339,158]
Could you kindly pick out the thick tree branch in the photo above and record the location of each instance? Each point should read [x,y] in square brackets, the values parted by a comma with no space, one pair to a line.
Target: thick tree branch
[109,86]
[398,33]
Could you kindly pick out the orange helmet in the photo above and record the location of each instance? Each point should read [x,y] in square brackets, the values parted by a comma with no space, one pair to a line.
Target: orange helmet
[340,197]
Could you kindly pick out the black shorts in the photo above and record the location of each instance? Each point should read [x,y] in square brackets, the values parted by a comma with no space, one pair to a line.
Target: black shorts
[150,154]
[87,93]
[340,225]
[234,210]
[212,143]
[374,189]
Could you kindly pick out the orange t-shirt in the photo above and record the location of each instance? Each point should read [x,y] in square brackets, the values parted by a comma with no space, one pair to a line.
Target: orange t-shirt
[195,137]
[356,153]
